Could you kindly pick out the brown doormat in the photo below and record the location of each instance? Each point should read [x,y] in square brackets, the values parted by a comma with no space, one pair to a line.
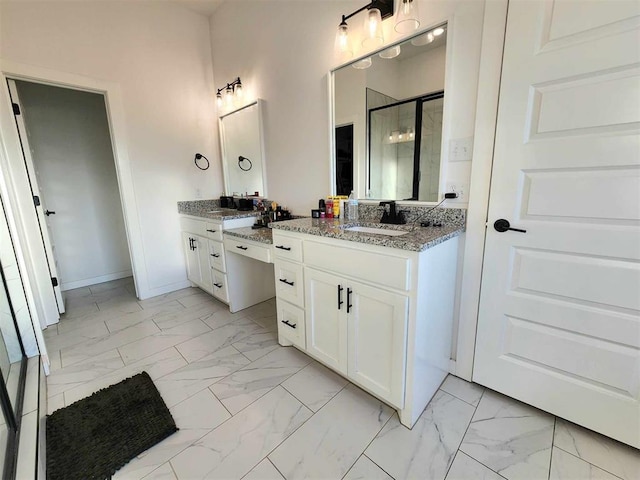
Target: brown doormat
[95,436]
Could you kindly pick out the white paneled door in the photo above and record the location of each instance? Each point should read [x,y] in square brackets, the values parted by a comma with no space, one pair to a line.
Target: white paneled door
[559,324]
[41,210]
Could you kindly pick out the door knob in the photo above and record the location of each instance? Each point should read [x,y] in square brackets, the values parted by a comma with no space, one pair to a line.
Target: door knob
[501,225]
[49,212]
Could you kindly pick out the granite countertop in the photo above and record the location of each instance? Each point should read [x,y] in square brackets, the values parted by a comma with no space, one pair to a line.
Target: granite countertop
[216,213]
[417,240]
[260,235]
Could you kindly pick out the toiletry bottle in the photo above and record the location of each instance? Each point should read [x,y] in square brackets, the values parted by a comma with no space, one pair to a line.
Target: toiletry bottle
[329,208]
[352,211]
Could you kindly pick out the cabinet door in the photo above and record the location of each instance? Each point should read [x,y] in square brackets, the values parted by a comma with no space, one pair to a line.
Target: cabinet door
[326,320]
[193,262]
[377,340]
[202,250]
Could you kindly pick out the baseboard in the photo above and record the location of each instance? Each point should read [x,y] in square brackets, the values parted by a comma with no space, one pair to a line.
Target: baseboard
[94,280]
[154,292]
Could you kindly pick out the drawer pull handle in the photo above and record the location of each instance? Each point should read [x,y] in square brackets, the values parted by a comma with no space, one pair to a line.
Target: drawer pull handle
[284,280]
[282,247]
[241,247]
[212,231]
[216,255]
[340,301]
[349,306]
[286,322]
[217,285]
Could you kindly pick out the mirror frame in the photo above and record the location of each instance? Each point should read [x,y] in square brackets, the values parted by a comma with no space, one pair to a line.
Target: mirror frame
[225,172]
[361,168]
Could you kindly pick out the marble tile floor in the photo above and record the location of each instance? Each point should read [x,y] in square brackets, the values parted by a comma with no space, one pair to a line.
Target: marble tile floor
[248,408]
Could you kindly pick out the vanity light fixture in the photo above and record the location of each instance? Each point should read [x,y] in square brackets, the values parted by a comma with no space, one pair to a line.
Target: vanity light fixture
[378,10]
[392,52]
[407,19]
[231,91]
[428,37]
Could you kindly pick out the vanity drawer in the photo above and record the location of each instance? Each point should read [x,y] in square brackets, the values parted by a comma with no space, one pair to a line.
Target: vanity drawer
[220,287]
[216,256]
[208,229]
[289,282]
[248,249]
[291,323]
[387,270]
[213,230]
[287,247]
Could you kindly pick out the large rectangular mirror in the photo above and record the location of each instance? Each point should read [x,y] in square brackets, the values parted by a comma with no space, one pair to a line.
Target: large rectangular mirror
[388,120]
[241,140]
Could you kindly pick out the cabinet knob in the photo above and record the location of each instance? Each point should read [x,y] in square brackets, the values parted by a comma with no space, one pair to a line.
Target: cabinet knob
[241,247]
[284,280]
[340,302]
[349,292]
[217,285]
[216,255]
[282,247]
[212,231]
[286,322]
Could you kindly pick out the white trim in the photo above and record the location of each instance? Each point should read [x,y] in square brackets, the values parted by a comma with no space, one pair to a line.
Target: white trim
[493,33]
[94,280]
[117,124]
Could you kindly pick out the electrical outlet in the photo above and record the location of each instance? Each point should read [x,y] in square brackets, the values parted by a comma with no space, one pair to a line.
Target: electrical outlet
[461,149]
[460,189]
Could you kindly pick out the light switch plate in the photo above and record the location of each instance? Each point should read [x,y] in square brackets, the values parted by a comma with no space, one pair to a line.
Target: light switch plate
[461,149]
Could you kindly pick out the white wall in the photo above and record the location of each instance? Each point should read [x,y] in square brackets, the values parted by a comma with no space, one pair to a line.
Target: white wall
[283,50]
[68,133]
[160,57]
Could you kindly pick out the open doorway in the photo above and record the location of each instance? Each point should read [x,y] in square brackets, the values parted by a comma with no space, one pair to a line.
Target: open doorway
[65,135]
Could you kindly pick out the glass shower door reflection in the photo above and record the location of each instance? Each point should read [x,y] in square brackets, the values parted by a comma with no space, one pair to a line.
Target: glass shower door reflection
[11,351]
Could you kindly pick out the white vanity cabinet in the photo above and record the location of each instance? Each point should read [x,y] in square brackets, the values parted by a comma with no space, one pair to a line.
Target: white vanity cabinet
[382,317]
[358,330]
[206,256]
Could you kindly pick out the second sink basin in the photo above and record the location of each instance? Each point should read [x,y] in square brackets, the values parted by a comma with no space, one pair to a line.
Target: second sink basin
[377,231]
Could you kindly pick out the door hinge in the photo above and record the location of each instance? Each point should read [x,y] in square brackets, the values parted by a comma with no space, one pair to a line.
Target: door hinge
[54,281]
[16,108]
[36,200]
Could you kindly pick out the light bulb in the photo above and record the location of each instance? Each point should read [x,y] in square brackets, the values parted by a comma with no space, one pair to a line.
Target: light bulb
[373,29]
[238,91]
[400,136]
[407,17]
[438,31]
[218,99]
[228,96]
[342,46]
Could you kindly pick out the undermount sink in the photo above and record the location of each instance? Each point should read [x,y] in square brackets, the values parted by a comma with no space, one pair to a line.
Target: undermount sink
[377,231]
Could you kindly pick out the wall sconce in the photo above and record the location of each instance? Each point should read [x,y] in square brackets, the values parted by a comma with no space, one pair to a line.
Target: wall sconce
[407,20]
[231,91]
[378,10]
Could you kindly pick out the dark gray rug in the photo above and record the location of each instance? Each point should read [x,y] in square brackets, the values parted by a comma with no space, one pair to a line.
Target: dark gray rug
[95,436]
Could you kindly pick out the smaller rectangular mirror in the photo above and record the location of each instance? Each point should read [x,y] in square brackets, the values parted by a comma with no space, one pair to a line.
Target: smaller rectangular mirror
[241,140]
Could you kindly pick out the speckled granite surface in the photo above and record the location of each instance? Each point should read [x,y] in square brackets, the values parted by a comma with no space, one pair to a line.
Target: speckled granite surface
[262,235]
[447,216]
[417,240]
[211,209]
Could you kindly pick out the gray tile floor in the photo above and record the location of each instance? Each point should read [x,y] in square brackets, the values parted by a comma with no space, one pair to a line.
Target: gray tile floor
[248,408]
